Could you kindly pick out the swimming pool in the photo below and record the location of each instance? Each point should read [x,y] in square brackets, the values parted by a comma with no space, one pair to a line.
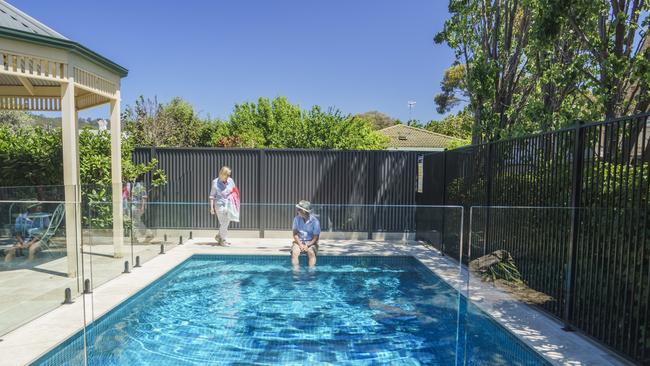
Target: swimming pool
[257,310]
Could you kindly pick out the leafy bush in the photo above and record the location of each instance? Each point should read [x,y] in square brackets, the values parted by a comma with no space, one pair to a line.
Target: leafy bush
[265,124]
[280,124]
[30,156]
[153,124]
[33,156]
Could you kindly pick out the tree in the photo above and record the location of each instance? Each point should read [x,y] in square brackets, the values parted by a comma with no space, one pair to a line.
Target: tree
[537,65]
[454,125]
[187,124]
[275,124]
[377,120]
[454,90]
[489,38]
[561,95]
[614,35]
[280,124]
[154,124]
[332,129]
[16,118]
[600,64]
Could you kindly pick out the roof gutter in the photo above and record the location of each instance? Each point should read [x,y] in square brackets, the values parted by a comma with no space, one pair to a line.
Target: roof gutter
[65,44]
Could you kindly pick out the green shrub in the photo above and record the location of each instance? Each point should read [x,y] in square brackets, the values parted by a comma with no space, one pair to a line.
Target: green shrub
[33,156]
[30,156]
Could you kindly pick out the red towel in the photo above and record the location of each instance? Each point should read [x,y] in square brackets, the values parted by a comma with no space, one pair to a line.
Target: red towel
[236,197]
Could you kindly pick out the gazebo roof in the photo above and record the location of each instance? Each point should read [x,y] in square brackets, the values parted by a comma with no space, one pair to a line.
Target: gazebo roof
[12,17]
[15,24]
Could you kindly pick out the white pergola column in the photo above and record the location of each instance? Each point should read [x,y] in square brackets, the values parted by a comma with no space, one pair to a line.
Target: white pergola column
[69,130]
[116,176]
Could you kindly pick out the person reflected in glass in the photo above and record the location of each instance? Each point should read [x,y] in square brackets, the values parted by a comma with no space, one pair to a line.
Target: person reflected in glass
[306,232]
[28,231]
[220,196]
[138,193]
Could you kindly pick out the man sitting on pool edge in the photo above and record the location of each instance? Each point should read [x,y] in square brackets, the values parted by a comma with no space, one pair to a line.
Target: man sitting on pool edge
[306,231]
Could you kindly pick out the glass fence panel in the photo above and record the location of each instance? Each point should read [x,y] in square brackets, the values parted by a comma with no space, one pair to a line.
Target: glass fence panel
[435,225]
[403,310]
[395,266]
[408,297]
[39,261]
[105,250]
[33,193]
[41,266]
[157,227]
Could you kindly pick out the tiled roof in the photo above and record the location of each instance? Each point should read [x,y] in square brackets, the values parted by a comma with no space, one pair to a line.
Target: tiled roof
[403,136]
[11,17]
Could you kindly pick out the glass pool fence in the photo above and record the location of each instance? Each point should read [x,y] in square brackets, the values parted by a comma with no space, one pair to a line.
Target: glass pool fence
[529,267]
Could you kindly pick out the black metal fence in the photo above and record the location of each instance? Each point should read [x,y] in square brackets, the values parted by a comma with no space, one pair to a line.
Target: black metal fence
[269,178]
[572,208]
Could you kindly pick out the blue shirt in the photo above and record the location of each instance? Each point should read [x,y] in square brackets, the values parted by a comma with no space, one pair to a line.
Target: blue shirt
[29,226]
[306,230]
[220,191]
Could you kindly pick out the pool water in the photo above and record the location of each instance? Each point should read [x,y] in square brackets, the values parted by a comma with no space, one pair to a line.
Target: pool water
[257,310]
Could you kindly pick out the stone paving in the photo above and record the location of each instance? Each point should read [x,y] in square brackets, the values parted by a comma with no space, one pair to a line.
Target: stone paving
[32,288]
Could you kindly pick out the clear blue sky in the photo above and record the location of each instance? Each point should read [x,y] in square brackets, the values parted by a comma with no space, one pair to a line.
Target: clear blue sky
[356,55]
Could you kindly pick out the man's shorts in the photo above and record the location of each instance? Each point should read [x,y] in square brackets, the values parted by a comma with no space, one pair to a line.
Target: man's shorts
[313,247]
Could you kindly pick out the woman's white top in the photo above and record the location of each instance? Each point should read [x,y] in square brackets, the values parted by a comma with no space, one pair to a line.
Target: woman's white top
[220,191]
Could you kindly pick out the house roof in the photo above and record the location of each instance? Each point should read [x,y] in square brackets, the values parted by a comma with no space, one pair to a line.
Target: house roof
[403,136]
[15,24]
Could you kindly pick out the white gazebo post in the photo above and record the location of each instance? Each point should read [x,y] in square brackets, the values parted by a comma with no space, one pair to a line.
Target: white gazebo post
[69,127]
[116,175]
[41,70]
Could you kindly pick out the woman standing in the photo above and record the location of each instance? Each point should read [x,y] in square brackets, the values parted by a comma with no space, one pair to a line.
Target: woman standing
[222,189]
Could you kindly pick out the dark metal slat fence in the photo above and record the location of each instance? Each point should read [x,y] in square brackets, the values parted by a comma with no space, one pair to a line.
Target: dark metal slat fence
[343,183]
[572,206]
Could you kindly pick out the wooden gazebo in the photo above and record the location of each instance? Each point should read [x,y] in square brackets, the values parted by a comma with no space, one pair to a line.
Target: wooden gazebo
[41,70]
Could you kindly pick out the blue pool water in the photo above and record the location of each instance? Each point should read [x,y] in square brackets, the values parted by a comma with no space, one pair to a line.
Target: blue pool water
[214,310]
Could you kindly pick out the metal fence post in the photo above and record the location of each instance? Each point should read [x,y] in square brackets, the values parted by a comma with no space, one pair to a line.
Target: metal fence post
[261,166]
[488,198]
[576,189]
[444,201]
[372,186]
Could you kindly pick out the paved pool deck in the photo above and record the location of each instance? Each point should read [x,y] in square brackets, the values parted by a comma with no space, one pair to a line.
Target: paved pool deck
[534,328]
[32,288]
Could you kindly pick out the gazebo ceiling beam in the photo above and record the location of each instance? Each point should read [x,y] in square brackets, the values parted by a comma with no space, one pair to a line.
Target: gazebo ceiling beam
[90,100]
[27,84]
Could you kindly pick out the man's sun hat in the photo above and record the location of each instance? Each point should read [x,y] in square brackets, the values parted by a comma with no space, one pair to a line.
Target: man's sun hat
[304,205]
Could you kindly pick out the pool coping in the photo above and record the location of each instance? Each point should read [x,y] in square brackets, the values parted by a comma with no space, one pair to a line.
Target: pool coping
[535,329]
